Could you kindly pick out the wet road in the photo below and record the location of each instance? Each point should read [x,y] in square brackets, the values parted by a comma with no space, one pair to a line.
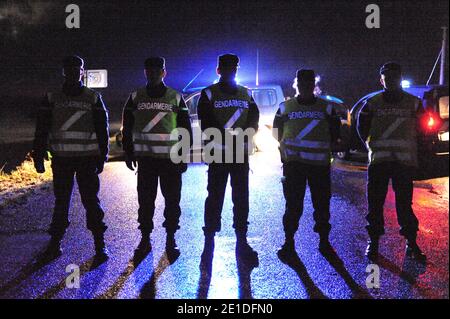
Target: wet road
[22,237]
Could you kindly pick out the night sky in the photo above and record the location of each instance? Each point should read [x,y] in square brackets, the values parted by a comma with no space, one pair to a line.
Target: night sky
[328,36]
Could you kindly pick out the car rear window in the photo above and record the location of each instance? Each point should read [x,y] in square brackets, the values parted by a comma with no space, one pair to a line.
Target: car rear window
[265,98]
[192,104]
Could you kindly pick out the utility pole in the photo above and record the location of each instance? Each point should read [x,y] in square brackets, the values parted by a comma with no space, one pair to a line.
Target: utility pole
[443,56]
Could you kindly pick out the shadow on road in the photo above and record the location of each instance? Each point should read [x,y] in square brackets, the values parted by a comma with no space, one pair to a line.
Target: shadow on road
[205,271]
[312,290]
[244,268]
[54,290]
[336,262]
[29,269]
[408,275]
[148,290]
[133,263]
[405,288]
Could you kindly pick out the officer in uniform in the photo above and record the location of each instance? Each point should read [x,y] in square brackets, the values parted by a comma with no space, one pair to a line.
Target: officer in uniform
[72,124]
[149,117]
[226,106]
[388,124]
[306,126]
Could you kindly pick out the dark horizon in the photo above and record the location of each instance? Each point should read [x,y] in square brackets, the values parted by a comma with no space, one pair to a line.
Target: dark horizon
[328,36]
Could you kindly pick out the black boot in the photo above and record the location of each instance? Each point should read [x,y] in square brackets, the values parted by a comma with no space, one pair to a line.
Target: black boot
[372,249]
[413,251]
[287,251]
[245,251]
[143,249]
[101,253]
[144,246]
[172,250]
[52,251]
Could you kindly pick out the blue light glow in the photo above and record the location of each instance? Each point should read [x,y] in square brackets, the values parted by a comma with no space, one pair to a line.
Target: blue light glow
[236,79]
[332,99]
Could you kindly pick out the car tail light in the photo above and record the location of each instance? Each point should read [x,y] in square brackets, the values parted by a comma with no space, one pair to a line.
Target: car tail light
[431,122]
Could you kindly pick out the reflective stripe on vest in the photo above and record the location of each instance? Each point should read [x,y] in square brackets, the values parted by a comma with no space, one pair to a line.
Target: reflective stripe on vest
[392,135]
[73,132]
[69,148]
[230,110]
[153,137]
[306,135]
[145,148]
[233,119]
[308,156]
[155,120]
[73,135]
[308,144]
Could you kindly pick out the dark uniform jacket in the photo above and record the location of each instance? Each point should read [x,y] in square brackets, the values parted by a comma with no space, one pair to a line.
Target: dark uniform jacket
[208,119]
[206,110]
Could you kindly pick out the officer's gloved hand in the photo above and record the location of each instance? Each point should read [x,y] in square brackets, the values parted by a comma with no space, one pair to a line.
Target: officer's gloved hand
[38,161]
[39,165]
[131,162]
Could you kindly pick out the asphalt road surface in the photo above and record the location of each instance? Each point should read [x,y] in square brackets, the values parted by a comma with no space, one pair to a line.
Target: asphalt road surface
[22,237]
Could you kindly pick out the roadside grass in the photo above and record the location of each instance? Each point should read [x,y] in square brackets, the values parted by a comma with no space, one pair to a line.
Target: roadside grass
[15,185]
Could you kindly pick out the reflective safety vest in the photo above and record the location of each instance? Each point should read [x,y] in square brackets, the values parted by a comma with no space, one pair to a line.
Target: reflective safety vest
[154,121]
[72,132]
[306,133]
[393,131]
[230,110]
